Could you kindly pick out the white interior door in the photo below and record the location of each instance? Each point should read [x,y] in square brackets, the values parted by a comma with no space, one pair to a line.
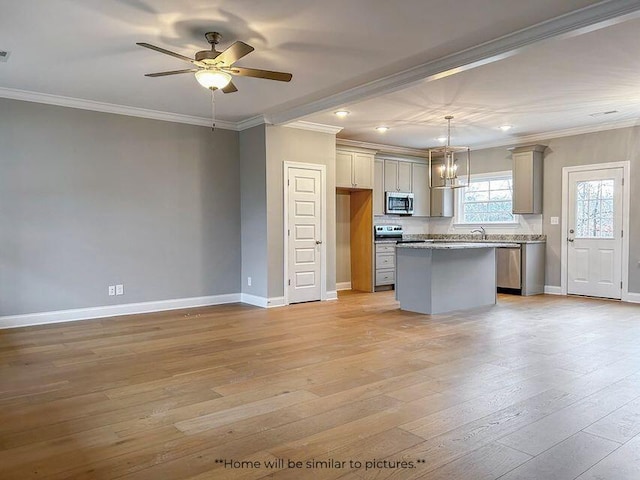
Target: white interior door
[594,236]
[305,249]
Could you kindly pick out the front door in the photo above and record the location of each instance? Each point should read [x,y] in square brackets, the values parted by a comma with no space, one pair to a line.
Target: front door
[594,236]
[304,234]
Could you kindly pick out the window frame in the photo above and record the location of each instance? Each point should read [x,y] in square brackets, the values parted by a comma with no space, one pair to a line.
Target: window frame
[459,200]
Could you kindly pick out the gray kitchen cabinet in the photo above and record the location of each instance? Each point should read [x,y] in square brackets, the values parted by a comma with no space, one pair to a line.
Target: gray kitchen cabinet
[354,169]
[420,189]
[385,264]
[442,202]
[527,178]
[397,176]
[378,187]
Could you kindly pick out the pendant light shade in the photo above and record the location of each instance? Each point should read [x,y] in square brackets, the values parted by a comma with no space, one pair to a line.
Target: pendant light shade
[213,78]
[449,168]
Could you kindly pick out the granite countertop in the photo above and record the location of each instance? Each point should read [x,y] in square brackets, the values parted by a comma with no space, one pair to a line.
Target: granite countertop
[473,238]
[456,245]
[386,241]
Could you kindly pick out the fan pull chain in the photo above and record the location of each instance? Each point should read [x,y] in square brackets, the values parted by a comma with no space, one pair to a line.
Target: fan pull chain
[213,111]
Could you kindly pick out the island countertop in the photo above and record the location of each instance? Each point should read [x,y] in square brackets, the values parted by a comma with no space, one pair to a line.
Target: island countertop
[455,245]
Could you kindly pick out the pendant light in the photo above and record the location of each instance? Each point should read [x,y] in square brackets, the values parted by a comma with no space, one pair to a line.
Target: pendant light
[448,171]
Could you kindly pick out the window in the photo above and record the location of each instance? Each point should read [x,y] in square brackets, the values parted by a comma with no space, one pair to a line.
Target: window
[487,199]
[594,209]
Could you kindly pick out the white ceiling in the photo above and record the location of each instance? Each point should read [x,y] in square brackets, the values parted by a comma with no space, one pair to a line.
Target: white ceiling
[86,49]
[554,86]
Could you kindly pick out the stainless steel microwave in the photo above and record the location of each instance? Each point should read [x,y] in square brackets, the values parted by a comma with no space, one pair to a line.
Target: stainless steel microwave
[398,203]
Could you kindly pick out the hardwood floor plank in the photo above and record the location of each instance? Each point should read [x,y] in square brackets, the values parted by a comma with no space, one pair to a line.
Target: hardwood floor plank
[566,460]
[164,395]
[621,425]
[486,463]
[543,434]
[622,464]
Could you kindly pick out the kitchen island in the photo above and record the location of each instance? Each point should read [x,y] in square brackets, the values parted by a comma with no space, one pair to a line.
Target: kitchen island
[442,277]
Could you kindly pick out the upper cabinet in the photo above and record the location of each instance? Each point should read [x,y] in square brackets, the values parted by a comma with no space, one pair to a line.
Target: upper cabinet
[378,187]
[527,178]
[354,169]
[397,176]
[420,184]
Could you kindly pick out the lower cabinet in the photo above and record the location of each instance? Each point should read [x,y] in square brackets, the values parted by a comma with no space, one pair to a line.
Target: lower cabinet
[385,264]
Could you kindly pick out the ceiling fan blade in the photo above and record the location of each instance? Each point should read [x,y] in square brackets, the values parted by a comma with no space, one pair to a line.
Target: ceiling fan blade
[234,53]
[253,72]
[168,52]
[173,72]
[230,88]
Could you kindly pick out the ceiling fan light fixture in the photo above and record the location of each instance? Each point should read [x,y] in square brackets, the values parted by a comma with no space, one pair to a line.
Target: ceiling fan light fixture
[213,78]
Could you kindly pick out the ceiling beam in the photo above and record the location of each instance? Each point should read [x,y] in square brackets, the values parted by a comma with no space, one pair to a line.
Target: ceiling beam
[574,23]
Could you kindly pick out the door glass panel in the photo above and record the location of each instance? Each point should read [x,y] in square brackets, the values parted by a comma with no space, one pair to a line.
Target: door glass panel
[594,209]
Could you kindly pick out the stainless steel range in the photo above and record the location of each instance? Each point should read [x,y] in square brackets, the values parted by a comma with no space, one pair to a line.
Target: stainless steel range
[388,232]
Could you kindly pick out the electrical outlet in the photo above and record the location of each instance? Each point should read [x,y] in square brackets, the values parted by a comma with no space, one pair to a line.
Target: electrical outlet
[119,289]
[249,281]
[112,290]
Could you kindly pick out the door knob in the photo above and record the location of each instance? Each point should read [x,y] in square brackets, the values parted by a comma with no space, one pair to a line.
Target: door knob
[318,242]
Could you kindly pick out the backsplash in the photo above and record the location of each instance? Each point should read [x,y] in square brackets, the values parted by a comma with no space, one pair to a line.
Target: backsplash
[410,225]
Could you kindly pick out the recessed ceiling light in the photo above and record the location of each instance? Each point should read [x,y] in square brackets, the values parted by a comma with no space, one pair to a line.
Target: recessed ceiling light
[442,139]
[505,128]
[341,113]
[382,129]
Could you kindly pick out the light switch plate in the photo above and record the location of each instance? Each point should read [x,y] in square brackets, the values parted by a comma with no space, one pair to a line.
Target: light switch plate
[555,220]
[119,289]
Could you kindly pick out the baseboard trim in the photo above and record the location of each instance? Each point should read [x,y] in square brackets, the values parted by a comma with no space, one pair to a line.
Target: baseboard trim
[254,300]
[60,316]
[275,302]
[552,290]
[343,286]
[332,295]
[632,297]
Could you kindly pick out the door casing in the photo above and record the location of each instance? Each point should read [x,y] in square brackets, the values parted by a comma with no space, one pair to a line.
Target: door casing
[323,225]
[625,165]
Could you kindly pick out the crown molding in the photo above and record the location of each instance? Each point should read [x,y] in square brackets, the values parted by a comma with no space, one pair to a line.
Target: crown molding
[381,148]
[581,21]
[251,122]
[314,127]
[568,132]
[92,105]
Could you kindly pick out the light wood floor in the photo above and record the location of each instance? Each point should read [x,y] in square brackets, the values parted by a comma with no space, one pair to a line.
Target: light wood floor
[534,388]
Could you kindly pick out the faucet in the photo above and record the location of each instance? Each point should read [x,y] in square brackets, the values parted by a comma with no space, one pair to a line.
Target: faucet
[480,230]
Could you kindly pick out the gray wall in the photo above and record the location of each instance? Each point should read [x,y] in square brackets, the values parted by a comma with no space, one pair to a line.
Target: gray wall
[93,199]
[253,208]
[286,144]
[600,147]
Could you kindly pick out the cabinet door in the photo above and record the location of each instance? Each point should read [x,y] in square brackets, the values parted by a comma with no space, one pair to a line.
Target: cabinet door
[421,193]
[391,176]
[344,169]
[378,187]
[404,176]
[363,170]
[442,202]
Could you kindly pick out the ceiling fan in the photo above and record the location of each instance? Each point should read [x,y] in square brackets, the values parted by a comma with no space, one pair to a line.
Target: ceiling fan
[213,69]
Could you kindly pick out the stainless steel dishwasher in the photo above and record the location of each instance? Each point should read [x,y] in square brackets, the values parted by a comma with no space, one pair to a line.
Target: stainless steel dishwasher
[520,268]
[509,267]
